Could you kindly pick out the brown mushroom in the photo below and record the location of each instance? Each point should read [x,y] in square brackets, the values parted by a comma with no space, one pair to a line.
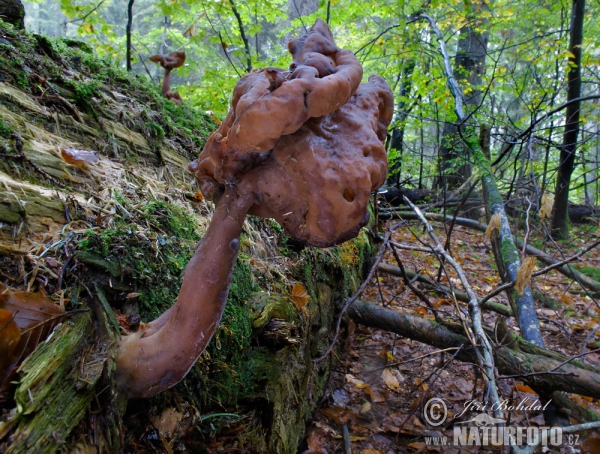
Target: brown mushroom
[303,146]
[169,62]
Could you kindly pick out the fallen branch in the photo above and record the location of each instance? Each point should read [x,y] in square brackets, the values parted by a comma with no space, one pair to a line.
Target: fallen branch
[461,296]
[486,361]
[573,379]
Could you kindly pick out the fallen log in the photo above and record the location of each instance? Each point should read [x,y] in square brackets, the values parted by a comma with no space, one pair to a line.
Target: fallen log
[533,368]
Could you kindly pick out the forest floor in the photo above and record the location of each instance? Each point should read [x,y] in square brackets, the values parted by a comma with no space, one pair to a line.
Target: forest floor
[382,381]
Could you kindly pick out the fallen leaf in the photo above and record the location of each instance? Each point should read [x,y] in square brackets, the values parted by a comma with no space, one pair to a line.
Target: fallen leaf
[299,296]
[168,422]
[78,158]
[524,388]
[35,316]
[317,438]
[9,337]
[374,395]
[355,381]
[339,415]
[391,380]
[365,408]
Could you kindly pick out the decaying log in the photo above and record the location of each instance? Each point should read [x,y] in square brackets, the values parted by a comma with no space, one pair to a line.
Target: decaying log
[566,377]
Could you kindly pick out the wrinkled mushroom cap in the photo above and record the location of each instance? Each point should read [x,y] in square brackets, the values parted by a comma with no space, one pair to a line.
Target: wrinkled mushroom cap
[308,142]
[170,61]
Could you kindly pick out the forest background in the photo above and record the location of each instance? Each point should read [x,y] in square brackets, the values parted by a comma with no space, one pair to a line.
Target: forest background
[512,60]
[500,92]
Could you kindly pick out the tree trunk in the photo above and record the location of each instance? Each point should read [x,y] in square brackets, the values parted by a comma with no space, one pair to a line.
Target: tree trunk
[397,133]
[469,68]
[560,216]
[128,32]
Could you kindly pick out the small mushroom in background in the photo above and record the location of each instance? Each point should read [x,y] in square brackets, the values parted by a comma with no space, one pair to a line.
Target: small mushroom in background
[303,146]
[169,62]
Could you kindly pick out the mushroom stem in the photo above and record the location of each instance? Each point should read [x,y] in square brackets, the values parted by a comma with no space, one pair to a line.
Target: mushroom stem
[161,353]
[166,86]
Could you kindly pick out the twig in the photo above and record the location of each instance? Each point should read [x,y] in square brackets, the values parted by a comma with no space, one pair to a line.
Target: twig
[538,121]
[410,285]
[223,45]
[452,83]
[474,309]
[85,16]
[243,35]
[412,360]
[347,444]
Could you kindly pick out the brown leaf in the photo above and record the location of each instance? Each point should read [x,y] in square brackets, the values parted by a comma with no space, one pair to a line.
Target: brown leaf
[78,158]
[299,295]
[190,32]
[35,316]
[524,388]
[9,337]
[29,308]
[355,381]
[317,438]
[524,274]
[339,415]
[374,396]
[494,225]
[546,206]
[391,380]
[168,422]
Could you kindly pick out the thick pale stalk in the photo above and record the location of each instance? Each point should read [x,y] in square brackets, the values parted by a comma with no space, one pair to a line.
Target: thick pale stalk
[161,353]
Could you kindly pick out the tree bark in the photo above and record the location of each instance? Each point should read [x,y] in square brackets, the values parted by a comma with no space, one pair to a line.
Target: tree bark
[560,216]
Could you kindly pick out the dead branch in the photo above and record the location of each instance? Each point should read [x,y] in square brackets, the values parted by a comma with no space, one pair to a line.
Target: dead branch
[564,269]
[487,362]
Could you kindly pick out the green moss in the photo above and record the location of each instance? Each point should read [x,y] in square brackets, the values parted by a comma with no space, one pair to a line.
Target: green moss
[150,261]
[155,129]
[509,251]
[5,131]
[589,271]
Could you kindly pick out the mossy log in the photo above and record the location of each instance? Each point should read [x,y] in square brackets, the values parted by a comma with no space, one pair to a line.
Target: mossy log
[112,237]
